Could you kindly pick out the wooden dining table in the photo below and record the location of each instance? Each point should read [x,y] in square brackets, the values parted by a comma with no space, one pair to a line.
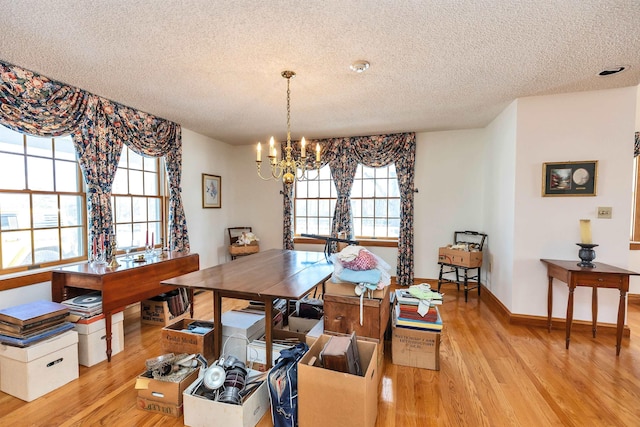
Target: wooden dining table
[264,276]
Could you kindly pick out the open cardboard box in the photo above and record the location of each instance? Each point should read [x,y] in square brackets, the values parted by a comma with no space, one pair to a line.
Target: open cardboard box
[331,398]
[202,412]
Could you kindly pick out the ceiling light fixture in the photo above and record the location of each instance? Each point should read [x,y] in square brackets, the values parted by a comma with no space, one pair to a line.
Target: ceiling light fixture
[359,66]
[287,167]
[612,70]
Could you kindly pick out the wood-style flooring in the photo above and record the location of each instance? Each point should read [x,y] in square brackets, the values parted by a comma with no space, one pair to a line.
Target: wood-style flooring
[491,374]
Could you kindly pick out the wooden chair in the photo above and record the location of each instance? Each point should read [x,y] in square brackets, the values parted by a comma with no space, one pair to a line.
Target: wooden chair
[234,235]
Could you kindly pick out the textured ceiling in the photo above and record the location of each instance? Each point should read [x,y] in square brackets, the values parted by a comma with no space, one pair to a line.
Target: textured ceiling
[214,66]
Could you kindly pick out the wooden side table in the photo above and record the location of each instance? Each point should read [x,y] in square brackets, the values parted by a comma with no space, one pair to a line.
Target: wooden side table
[600,276]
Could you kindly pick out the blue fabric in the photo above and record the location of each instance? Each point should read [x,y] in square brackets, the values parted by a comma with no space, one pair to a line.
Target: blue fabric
[364,276]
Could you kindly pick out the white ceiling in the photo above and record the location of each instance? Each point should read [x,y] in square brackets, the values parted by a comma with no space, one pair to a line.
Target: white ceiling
[214,66]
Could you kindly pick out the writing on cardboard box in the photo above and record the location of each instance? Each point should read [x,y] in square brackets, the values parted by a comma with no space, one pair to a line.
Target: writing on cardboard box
[416,342]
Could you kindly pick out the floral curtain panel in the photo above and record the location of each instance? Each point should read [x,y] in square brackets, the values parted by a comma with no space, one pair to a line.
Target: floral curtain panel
[636,145]
[34,104]
[343,156]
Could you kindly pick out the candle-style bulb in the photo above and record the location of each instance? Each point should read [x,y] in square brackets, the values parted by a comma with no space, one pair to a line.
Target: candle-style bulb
[259,154]
[303,148]
[585,231]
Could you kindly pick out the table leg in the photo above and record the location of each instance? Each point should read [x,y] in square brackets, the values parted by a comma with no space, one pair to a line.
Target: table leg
[107,319]
[549,303]
[620,326]
[217,325]
[572,288]
[268,327]
[594,310]
[191,304]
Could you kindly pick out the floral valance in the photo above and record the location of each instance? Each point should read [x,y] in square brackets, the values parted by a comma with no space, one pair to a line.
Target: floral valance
[34,104]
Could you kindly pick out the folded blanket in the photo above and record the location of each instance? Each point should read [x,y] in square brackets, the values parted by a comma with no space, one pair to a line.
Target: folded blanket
[364,276]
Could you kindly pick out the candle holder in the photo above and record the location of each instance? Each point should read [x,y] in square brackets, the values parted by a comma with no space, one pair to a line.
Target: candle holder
[586,254]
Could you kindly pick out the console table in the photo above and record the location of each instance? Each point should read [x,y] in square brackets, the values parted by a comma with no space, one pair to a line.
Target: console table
[130,283]
[600,276]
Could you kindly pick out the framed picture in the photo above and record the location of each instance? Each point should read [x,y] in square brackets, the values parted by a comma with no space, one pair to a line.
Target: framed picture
[569,178]
[211,191]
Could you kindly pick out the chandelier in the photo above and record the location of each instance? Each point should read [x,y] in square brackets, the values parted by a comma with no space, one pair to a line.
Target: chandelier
[287,168]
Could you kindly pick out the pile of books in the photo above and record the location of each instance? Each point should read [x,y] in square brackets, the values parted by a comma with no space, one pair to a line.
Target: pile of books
[27,324]
[85,306]
[415,313]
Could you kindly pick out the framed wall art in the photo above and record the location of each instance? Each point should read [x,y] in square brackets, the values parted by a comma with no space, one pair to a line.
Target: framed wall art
[211,191]
[569,178]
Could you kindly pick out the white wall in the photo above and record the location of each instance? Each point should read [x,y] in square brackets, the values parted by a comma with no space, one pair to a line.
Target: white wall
[571,127]
[499,190]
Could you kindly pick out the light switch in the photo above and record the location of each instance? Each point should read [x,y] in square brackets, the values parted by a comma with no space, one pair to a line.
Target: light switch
[604,212]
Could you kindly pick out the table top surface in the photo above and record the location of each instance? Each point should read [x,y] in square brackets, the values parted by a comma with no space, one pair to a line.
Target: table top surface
[572,266]
[274,273]
[100,270]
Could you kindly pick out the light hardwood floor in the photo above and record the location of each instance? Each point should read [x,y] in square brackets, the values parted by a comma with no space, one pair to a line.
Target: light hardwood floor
[491,374]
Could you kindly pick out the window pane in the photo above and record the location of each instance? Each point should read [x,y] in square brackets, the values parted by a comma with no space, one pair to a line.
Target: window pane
[356,189]
[314,189]
[382,172]
[381,207]
[155,235]
[394,190]
[72,242]
[124,236]
[368,172]
[323,208]
[368,188]
[150,184]
[139,234]
[325,173]
[40,174]
[47,246]
[139,209]
[392,171]
[394,208]
[135,160]
[312,208]
[324,228]
[16,211]
[123,209]
[135,182]
[325,188]
[12,173]
[381,228]
[66,176]
[154,210]
[123,159]
[39,146]
[71,209]
[120,182]
[367,208]
[16,249]
[301,225]
[45,211]
[357,227]
[367,227]
[333,206]
[150,164]
[301,190]
[301,207]
[64,147]
[356,207]
[312,226]
[11,141]
[394,227]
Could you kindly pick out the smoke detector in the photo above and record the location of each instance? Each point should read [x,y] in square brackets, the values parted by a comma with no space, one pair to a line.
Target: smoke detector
[359,66]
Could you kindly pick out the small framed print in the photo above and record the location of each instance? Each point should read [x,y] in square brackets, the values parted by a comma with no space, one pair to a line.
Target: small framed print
[569,178]
[211,191]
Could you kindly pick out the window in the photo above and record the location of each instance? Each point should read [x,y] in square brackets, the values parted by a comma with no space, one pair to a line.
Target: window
[635,205]
[137,201]
[42,202]
[375,203]
[315,201]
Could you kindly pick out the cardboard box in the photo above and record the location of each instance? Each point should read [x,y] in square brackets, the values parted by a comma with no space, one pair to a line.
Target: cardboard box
[415,348]
[175,339]
[257,349]
[92,339]
[348,289]
[160,407]
[202,412]
[300,324]
[167,393]
[459,257]
[30,372]
[238,329]
[331,398]
[315,332]
[157,313]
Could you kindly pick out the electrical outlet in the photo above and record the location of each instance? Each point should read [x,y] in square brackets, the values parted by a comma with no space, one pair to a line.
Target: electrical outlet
[604,212]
